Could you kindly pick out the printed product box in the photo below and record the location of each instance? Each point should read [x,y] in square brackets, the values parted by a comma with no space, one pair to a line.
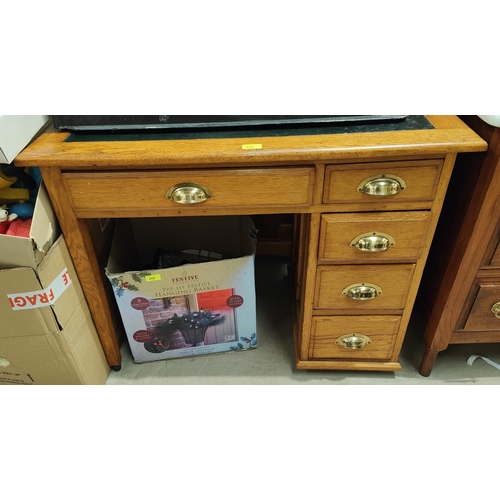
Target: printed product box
[47,335]
[192,308]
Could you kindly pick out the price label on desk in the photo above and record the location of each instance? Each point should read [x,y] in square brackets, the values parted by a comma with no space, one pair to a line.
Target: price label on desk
[251,146]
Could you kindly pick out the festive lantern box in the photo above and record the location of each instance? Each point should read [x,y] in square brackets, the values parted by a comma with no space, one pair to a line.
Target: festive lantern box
[185,286]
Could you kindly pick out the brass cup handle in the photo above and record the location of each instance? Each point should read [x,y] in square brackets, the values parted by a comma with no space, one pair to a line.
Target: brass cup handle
[362,291]
[495,309]
[382,185]
[373,242]
[353,341]
[187,193]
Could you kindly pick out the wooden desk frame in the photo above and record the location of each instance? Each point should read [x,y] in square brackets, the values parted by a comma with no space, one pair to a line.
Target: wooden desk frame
[60,160]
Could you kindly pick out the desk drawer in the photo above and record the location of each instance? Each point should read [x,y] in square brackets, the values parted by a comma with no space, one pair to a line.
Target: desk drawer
[363,183]
[373,237]
[227,187]
[332,337]
[481,316]
[389,283]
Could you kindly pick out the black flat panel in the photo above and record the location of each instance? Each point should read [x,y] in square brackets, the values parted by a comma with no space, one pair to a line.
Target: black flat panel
[147,122]
[412,122]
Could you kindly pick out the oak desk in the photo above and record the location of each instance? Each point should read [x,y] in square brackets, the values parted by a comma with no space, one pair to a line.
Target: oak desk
[366,207]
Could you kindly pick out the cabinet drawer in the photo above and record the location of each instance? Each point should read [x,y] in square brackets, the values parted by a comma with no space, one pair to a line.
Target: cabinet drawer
[481,316]
[417,182]
[228,188]
[327,334]
[390,284]
[373,236]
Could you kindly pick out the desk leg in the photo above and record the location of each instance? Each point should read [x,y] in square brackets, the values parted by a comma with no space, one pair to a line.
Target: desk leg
[81,249]
[428,361]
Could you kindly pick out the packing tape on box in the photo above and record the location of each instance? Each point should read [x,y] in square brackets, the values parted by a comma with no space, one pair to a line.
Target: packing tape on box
[41,298]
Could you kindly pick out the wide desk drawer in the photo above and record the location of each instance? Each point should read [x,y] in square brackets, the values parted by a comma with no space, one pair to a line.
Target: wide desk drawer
[353,337]
[383,184]
[363,287]
[373,237]
[221,188]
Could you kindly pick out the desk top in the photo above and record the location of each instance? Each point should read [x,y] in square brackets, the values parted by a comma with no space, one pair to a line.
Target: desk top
[448,135]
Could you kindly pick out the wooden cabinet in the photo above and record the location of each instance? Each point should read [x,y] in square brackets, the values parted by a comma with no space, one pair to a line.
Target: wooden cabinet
[461,284]
[365,206]
[367,261]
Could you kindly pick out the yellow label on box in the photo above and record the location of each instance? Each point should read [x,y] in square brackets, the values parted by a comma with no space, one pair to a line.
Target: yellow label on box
[153,277]
[251,146]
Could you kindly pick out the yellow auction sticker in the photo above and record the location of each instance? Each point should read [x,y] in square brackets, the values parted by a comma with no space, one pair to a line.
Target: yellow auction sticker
[153,277]
[251,146]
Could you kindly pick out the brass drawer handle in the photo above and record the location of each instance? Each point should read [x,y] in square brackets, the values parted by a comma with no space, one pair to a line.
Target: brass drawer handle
[495,309]
[362,291]
[382,185]
[187,193]
[353,341]
[373,242]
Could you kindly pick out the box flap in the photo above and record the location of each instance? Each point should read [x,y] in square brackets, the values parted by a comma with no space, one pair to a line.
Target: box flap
[68,302]
[45,227]
[27,322]
[29,252]
[211,233]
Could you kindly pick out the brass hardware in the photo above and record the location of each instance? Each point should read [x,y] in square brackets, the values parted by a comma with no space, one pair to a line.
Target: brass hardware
[353,341]
[188,193]
[373,242]
[382,185]
[362,291]
[495,309]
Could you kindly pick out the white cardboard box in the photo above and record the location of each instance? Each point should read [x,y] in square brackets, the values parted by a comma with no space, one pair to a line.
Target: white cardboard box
[47,335]
[148,298]
[29,252]
[16,132]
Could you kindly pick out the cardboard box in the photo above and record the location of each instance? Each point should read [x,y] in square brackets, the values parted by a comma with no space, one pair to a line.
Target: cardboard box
[16,132]
[152,300]
[29,252]
[47,335]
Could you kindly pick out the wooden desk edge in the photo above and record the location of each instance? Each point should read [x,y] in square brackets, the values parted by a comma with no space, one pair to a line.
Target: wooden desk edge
[450,135]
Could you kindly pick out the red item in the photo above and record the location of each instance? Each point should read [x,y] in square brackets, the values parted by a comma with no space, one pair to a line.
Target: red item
[20,228]
[4,226]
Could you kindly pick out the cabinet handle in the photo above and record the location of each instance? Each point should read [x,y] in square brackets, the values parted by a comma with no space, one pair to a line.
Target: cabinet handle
[187,193]
[373,242]
[495,309]
[362,291]
[353,341]
[382,185]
